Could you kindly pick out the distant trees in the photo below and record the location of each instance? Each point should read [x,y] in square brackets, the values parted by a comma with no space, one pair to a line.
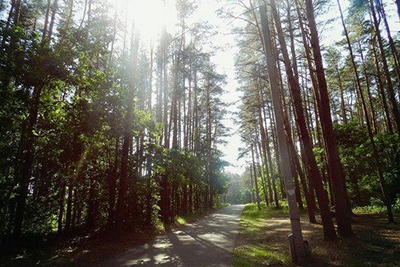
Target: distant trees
[368,109]
[97,128]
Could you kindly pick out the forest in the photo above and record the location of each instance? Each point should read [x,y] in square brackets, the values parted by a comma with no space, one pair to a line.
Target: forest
[105,127]
[336,105]
[100,129]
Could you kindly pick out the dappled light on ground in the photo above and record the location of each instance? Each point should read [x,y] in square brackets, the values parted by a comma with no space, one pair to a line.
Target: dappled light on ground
[208,242]
[265,243]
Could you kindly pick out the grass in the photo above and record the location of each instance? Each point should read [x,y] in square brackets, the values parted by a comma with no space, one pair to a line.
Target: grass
[193,217]
[263,241]
[190,218]
[253,246]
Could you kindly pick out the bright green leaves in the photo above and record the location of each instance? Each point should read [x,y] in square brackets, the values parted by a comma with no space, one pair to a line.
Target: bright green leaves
[359,163]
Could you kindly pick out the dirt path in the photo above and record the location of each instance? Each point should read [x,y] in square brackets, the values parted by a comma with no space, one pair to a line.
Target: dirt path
[208,242]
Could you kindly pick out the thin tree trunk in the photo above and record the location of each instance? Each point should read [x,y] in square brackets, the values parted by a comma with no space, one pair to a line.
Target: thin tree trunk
[255,177]
[342,102]
[91,204]
[308,189]
[252,194]
[84,14]
[68,216]
[54,8]
[17,14]
[390,90]
[393,48]
[381,90]
[121,209]
[190,209]
[273,176]
[61,209]
[262,173]
[368,88]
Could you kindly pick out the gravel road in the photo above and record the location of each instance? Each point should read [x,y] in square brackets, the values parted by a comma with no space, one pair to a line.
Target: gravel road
[208,242]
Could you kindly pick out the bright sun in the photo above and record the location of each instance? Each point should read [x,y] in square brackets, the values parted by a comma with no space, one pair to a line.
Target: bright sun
[148,16]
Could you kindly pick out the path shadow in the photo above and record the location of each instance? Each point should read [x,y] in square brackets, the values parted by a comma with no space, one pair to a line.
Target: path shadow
[208,242]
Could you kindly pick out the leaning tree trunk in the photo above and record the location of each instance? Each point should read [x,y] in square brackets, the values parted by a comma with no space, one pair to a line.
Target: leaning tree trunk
[329,230]
[390,89]
[299,247]
[343,213]
[381,90]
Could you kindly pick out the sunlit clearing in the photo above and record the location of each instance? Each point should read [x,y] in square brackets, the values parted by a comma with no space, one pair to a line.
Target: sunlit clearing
[149,17]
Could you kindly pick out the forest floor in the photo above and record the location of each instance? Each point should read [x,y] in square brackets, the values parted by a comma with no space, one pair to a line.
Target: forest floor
[263,241]
[208,242]
[82,249]
[78,249]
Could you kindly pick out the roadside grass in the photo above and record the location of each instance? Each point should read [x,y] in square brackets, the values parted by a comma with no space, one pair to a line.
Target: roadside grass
[263,241]
[253,247]
[193,217]
[190,218]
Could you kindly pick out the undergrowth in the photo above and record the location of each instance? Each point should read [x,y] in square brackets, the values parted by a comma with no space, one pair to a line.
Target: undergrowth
[263,240]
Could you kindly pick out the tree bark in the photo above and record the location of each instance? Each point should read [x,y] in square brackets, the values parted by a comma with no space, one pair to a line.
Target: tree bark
[343,212]
[299,247]
[329,230]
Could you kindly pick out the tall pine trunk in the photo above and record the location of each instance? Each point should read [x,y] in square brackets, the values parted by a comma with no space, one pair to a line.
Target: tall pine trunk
[299,247]
[343,212]
[329,230]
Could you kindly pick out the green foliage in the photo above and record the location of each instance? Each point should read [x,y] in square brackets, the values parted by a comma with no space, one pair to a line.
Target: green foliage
[389,157]
[79,90]
[377,206]
[359,163]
